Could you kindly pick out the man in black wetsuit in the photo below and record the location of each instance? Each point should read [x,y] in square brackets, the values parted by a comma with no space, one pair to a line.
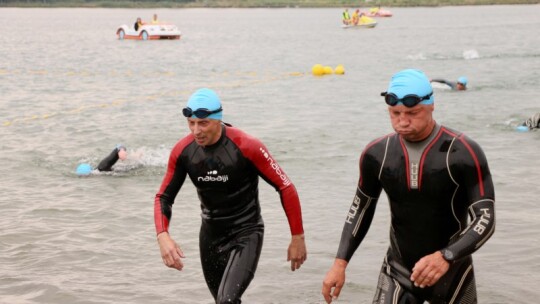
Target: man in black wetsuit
[433,176]
[224,164]
[459,85]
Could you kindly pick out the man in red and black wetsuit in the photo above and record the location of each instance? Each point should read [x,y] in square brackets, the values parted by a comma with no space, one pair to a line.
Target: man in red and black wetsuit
[224,164]
[434,177]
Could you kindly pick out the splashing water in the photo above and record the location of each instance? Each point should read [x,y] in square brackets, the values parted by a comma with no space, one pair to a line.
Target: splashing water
[419,56]
[471,54]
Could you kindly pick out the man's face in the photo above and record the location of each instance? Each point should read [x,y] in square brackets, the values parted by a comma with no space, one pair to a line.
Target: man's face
[206,131]
[413,124]
[461,87]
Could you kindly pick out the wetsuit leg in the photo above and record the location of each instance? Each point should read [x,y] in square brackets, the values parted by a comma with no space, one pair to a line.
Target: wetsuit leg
[213,266]
[390,291]
[229,266]
[457,285]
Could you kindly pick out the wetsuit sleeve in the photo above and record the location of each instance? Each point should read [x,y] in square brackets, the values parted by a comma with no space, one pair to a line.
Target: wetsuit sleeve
[172,182]
[362,209]
[444,81]
[107,163]
[474,175]
[272,173]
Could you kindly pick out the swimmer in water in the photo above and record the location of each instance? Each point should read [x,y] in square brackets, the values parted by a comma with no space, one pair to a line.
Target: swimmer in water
[118,153]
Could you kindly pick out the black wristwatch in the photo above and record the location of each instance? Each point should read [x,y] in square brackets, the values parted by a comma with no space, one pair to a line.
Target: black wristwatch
[448,255]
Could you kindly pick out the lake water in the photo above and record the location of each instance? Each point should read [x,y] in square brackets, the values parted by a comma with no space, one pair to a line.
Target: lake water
[70,91]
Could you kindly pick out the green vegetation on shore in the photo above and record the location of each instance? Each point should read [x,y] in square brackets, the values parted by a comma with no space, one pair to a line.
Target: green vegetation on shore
[250,3]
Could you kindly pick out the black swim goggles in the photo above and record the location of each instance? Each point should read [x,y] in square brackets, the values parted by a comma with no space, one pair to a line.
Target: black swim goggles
[409,101]
[200,113]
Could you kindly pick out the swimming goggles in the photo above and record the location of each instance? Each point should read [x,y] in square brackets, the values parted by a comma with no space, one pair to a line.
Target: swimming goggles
[200,113]
[409,101]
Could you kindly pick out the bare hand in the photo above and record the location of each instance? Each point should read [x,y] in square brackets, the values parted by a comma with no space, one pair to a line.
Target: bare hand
[297,252]
[122,154]
[170,251]
[335,279]
[429,269]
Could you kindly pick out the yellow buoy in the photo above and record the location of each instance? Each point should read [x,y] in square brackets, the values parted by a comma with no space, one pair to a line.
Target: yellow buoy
[328,70]
[340,70]
[317,70]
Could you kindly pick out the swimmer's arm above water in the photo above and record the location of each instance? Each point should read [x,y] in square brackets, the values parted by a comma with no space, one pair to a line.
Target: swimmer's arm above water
[443,81]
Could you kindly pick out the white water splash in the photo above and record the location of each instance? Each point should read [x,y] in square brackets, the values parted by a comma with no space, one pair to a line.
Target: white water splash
[419,56]
[143,157]
[149,156]
[470,54]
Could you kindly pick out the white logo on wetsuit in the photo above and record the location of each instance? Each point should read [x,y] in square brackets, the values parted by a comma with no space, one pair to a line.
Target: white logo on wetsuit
[354,208]
[276,167]
[414,175]
[480,227]
[212,176]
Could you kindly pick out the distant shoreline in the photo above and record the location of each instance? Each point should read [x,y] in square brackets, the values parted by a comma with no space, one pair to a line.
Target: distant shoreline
[250,3]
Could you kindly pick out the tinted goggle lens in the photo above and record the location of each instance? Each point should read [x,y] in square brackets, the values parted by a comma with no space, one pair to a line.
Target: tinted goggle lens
[409,100]
[200,113]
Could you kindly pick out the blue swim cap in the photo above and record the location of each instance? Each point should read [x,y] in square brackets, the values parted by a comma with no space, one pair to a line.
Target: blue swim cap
[462,80]
[205,99]
[83,170]
[411,81]
[522,128]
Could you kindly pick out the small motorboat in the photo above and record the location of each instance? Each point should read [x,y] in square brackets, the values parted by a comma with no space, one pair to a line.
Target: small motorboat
[363,22]
[149,32]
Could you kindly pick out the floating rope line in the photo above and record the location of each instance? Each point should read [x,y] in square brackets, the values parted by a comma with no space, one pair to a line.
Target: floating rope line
[148,98]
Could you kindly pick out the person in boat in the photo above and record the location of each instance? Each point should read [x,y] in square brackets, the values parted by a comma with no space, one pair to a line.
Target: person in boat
[356,16]
[442,203]
[346,17]
[224,163]
[138,23]
[459,85]
[532,122]
[155,19]
[375,10]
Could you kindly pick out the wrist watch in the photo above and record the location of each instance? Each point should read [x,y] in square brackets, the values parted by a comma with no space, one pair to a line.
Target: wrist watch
[447,255]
